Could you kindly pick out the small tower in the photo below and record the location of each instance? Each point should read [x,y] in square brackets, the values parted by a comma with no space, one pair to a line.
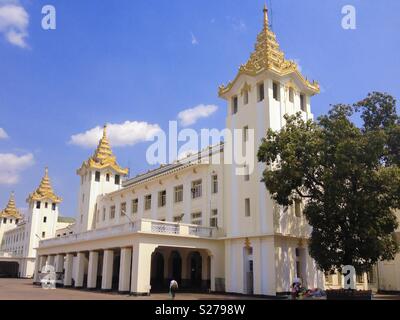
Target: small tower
[100,174]
[43,214]
[9,217]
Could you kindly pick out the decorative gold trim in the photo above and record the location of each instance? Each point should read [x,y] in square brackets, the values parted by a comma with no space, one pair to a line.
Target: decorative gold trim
[11,210]
[268,57]
[44,191]
[103,158]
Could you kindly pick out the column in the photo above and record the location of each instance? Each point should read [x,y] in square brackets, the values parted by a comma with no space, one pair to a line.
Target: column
[36,278]
[50,260]
[106,279]
[92,270]
[257,270]
[80,270]
[141,268]
[204,270]
[69,259]
[59,263]
[125,270]
[185,269]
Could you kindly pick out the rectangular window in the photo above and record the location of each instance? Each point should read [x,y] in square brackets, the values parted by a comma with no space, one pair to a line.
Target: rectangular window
[214,186]
[260,92]
[197,218]
[303,104]
[234,105]
[135,206]
[246,97]
[38,205]
[247,173]
[245,133]
[162,198]
[43,234]
[177,218]
[97,176]
[147,202]
[107,177]
[44,219]
[117,179]
[123,209]
[53,206]
[46,205]
[275,91]
[4,220]
[247,207]
[214,218]
[196,189]
[104,213]
[291,95]
[178,194]
[112,212]
[297,208]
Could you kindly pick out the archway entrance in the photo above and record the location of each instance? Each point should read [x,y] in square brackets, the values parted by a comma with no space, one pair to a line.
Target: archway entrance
[195,263]
[176,262]
[157,272]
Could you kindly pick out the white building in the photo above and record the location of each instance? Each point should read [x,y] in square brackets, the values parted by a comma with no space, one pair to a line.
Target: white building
[194,221]
[19,237]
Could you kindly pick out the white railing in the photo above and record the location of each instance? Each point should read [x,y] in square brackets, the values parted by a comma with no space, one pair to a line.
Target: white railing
[203,232]
[161,227]
[139,226]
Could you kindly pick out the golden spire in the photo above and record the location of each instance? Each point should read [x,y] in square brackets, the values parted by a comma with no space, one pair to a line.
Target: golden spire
[268,56]
[11,209]
[103,157]
[44,191]
[266,22]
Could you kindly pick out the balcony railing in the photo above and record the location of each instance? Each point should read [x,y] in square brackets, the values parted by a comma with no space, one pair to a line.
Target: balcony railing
[139,226]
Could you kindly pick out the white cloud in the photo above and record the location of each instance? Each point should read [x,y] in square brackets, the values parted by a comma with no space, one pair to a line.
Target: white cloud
[12,165]
[14,21]
[237,24]
[3,134]
[120,135]
[194,39]
[190,116]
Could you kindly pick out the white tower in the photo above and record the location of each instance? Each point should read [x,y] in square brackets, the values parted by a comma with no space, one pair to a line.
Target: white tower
[267,87]
[100,174]
[9,217]
[42,215]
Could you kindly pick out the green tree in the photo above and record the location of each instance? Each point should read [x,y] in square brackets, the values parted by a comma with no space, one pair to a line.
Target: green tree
[349,177]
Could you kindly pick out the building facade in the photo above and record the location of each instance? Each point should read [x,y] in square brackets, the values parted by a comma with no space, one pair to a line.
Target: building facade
[20,236]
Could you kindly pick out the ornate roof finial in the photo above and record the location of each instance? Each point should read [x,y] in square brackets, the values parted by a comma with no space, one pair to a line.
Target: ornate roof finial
[103,157]
[11,209]
[45,190]
[266,21]
[105,130]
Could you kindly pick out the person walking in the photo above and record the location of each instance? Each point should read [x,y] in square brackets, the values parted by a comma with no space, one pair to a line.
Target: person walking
[173,288]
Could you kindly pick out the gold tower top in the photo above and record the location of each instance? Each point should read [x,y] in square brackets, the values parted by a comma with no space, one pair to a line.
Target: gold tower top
[11,210]
[103,157]
[44,191]
[268,56]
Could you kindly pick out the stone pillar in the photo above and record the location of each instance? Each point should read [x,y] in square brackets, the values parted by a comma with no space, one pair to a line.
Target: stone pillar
[69,259]
[92,270]
[204,270]
[141,268]
[108,261]
[36,278]
[185,269]
[212,274]
[125,270]
[50,260]
[80,270]
[59,263]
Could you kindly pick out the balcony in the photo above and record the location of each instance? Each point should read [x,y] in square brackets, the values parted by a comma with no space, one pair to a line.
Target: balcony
[145,226]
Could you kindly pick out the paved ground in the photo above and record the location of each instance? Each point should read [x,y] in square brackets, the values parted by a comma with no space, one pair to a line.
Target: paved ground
[14,289]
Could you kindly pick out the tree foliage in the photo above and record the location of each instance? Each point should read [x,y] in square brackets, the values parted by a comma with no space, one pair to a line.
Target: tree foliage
[349,177]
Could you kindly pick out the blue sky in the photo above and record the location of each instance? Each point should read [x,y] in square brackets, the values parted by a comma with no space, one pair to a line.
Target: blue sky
[146,61]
